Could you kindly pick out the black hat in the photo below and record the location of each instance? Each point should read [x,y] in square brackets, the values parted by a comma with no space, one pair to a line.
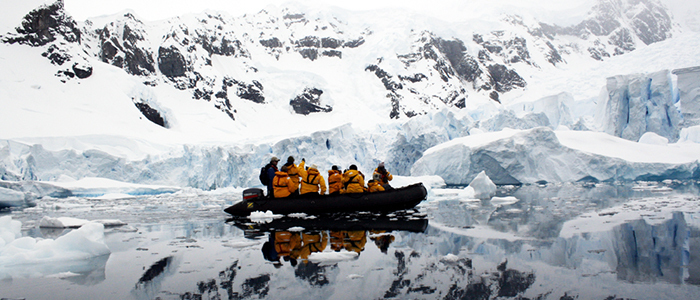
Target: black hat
[290,159]
[353,167]
[334,168]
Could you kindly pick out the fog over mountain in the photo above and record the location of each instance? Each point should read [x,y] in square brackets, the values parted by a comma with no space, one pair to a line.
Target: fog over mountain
[204,99]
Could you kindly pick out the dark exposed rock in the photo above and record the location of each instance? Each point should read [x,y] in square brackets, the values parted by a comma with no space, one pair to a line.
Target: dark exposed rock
[171,62]
[121,46]
[309,41]
[252,92]
[331,43]
[553,55]
[494,96]
[389,84]
[44,24]
[355,43]
[618,20]
[597,53]
[415,78]
[503,79]
[271,43]
[623,41]
[82,71]
[56,56]
[333,53]
[309,102]
[151,114]
[224,46]
[310,53]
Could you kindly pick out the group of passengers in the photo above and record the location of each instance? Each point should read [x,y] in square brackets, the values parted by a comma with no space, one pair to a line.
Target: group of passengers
[296,180]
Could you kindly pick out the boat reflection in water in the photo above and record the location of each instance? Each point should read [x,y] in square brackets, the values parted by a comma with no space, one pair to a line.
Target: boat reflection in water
[293,239]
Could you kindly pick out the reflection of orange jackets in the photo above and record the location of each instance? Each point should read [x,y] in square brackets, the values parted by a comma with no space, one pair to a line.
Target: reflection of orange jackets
[355,240]
[335,181]
[282,185]
[313,243]
[374,186]
[337,240]
[311,180]
[353,181]
[286,242]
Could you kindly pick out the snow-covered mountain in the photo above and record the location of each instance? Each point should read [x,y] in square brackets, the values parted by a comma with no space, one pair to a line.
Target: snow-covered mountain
[203,100]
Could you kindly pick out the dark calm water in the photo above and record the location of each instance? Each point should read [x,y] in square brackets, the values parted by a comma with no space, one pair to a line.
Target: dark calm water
[605,241]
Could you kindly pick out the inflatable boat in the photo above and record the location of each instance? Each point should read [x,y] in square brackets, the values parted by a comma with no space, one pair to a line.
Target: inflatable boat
[386,201]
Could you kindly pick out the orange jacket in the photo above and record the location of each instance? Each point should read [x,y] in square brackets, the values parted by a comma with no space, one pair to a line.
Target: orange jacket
[282,185]
[293,172]
[311,180]
[353,181]
[385,177]
[374,186]
[335,181]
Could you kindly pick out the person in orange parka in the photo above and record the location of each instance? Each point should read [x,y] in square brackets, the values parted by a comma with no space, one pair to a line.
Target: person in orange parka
[311,181]
[374,184]
[293,172]
[353,181]
[282,185]
[335,181]
[384,176]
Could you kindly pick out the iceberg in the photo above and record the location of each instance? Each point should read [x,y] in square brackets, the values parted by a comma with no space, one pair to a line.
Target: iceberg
[483,187]
[17,252]
[631,105]
[541,154]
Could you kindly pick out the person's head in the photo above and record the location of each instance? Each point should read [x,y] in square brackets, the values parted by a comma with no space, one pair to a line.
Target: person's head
[274,160]
[290,159]
[334,168]
[381,166]
[284,169]
[313,167]
[353,167]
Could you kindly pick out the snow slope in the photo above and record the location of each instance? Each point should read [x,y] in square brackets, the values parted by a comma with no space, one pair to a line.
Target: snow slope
[52,124]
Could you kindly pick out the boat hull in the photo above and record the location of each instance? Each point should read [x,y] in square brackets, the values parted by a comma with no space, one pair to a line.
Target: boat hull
[392,200]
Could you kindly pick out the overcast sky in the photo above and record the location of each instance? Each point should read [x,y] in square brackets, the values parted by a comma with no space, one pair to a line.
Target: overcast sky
[450,10]
[561,12]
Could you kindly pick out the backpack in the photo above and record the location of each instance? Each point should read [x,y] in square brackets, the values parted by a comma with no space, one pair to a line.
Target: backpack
[263,175]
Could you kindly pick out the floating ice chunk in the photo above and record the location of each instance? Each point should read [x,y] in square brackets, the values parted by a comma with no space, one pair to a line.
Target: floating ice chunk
[483,187]
[296,229]
[263,217]
[85,242]
[450,257]
[653,139]
[61,222]
[504,200]
[9,230]
[328,258]
[68,222]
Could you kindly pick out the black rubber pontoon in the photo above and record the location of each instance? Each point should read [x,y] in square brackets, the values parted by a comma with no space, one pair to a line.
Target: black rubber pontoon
[387,201]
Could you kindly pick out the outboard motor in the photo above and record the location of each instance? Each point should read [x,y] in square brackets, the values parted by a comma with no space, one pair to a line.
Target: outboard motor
[252,194]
